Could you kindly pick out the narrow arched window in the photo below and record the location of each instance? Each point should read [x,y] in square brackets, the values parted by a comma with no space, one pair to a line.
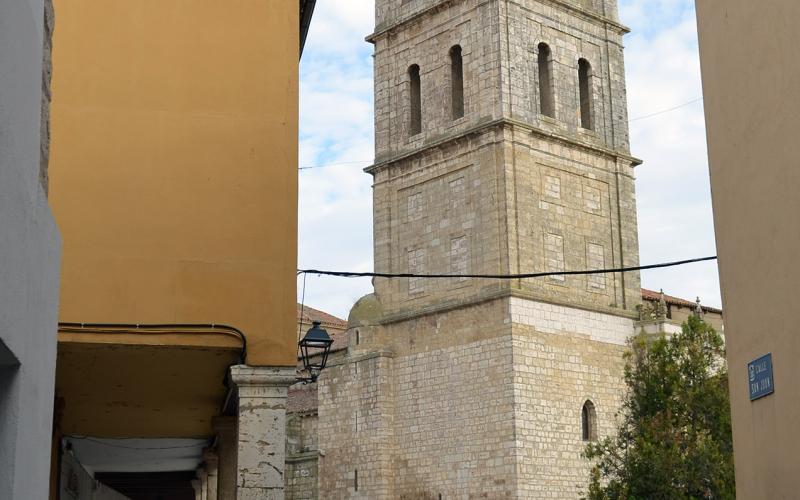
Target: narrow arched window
[589,421]
[415,97]
[457,82]
[547,99]
[585,85]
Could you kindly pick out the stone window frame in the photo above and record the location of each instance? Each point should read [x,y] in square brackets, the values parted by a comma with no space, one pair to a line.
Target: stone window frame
[589,421]
[546,90]
[457,198]
[414,85]
[416,286]
[467,264]
[584,199]
[586,100]
[589,265]
[555,280]
[415,199]
[545,193]
[457,102]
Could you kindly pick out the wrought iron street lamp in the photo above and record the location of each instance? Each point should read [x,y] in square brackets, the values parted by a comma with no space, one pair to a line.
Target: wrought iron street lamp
[316,343]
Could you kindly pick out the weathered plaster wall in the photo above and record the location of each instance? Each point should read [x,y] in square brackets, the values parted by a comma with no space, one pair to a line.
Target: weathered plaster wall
[29,260]
[751,87]
[173,171]
[77,484]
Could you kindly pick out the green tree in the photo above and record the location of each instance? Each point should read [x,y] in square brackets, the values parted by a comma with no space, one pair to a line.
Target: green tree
[674,440]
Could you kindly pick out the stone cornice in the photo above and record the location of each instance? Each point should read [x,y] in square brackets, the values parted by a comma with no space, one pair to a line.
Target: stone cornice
[498,295]
[382,31]
[355,358]
[305,456]
[263,376]
[503,122]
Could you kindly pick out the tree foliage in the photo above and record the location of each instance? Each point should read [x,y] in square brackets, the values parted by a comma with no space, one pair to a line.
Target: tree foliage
[674,438]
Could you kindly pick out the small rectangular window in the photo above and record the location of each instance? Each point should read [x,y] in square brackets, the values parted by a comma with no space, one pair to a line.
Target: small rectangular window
[416,265]
[585,85]
[415,104]
[457,82]
[546,94]
[554,256]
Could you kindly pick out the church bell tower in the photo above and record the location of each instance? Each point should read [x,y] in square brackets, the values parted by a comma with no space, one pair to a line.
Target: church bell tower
[501,141]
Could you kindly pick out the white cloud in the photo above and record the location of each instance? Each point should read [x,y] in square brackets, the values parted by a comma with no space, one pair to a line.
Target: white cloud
[673,192]
[337,126]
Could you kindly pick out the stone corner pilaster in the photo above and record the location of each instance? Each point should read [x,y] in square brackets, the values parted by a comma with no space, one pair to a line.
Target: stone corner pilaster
[261,430]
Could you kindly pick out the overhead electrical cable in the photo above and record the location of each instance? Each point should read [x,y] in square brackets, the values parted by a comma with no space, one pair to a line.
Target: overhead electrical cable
[663,111]
[351,274]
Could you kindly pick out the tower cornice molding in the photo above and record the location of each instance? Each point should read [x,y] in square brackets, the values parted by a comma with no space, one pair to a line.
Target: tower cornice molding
[606,22]
[499,123]
[500,295]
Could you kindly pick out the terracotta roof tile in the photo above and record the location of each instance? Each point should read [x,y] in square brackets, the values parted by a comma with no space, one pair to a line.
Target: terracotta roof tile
[654,296]
[302,398]
[310,314]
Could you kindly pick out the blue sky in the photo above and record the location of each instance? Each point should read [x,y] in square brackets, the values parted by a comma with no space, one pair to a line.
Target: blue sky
[336,129]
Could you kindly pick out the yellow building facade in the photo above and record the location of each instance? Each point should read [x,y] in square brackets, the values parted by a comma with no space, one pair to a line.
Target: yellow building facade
[173,180]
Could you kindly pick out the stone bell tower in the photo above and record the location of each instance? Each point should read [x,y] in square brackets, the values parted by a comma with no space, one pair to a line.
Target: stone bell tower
[501,148]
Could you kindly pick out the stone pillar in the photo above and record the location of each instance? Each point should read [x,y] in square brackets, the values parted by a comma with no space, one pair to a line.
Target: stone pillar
[261,430]
[197,492]
[211,466]
[227,449]
[202,476]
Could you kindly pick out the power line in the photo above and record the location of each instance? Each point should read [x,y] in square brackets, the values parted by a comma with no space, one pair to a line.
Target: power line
[355,162]
[679,106]
[643,117]
[351,274]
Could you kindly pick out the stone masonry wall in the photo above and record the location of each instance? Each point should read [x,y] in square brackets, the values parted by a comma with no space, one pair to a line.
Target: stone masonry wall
[356,439]
[471,409]
[593,211]
[478,194]
[473,388]
[563,357]
[430,203]
[474,25]
[570,37]
[499,42]
[302,455]
[432,415]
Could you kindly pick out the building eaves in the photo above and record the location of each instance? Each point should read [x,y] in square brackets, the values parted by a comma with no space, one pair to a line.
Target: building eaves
[309,314]
[653,296]
[306,12]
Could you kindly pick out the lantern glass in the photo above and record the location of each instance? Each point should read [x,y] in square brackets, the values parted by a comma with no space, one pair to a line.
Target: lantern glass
[315,343]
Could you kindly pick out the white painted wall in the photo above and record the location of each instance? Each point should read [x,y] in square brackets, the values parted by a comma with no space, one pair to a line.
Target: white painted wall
[78,484]
[29,261]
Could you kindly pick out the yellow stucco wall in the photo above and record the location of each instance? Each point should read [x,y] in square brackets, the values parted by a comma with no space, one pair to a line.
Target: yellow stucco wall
[174,164]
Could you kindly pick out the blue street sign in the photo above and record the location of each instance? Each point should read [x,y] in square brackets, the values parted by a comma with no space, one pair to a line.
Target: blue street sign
[760,376]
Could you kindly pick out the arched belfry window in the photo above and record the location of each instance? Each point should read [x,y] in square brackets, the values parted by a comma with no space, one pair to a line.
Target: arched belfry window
[457,82]
[589,421]
[415,97]
[547,104]
[585,85]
